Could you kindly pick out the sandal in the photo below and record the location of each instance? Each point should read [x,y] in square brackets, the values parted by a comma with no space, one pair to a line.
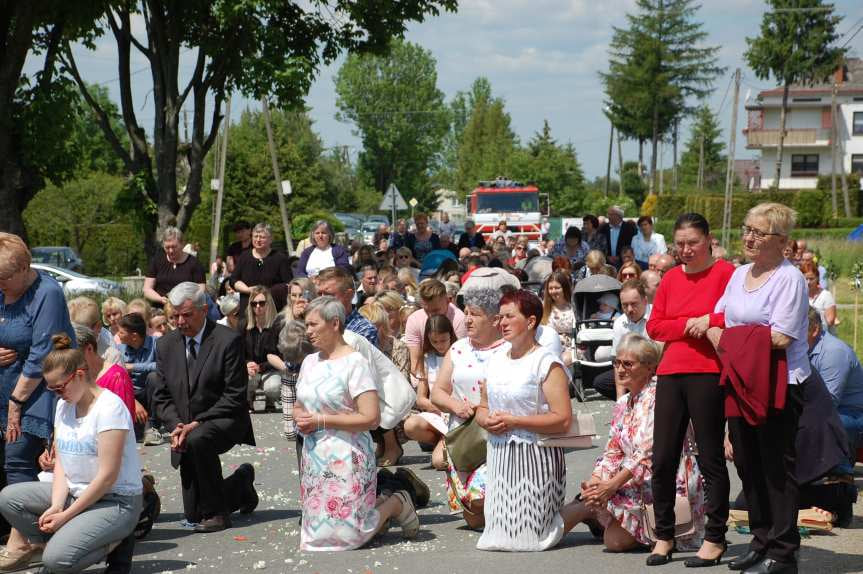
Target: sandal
[390,462]
[12,561]
[407,518]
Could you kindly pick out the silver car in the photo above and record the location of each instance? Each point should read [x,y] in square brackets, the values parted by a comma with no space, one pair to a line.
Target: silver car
[75,284]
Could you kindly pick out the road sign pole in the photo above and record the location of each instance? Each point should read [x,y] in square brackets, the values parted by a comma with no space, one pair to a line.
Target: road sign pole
[393,221]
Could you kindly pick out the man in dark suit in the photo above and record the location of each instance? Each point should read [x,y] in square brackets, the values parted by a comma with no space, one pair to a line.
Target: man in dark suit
[201,399]
[618,234]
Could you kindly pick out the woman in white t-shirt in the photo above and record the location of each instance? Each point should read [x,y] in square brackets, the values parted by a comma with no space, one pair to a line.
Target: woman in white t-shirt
[820,299]
[95,500]
[323,251]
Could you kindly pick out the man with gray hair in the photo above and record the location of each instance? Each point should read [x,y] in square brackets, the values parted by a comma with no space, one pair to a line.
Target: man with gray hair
[201,399]
[617,233]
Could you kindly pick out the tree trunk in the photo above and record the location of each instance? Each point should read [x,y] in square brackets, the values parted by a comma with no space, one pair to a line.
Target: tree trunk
[781,147]
[654,141]
[674,165]
[640,158]
[17,187]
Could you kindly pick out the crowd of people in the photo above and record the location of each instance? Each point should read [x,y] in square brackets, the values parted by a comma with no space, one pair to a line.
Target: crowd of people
[455,345]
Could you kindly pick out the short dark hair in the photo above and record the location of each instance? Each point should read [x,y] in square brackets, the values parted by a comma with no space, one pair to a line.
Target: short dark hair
[241,225]
[694,220]
[134,323]
[644,218]
[571,232]
[636,284]
[527,302]
[594,221]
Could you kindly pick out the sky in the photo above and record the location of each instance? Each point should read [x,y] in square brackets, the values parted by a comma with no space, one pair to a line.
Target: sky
[541,56]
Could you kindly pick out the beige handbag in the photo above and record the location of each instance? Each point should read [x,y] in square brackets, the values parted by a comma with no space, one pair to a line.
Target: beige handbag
[684,525]
[581,431]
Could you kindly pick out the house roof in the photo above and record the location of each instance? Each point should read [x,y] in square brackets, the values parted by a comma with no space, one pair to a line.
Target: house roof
[849,78]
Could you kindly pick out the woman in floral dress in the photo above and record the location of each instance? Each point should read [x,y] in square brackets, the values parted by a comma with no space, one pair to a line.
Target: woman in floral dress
[612,501]
[337,406]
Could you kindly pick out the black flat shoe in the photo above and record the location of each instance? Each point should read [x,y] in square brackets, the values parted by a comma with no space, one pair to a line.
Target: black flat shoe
[743,562]
[771,566]
[659,559]
[698,562]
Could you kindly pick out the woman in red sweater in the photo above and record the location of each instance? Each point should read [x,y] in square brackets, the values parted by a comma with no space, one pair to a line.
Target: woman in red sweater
[688,387]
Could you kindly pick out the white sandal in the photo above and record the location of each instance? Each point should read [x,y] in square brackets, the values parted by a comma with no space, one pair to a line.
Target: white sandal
[407,518]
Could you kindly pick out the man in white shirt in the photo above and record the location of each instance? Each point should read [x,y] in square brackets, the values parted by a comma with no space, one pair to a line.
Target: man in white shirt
[646,242]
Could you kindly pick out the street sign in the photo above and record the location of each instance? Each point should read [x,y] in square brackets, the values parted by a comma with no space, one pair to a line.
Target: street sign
[413,202]
[392,199]
[286,187]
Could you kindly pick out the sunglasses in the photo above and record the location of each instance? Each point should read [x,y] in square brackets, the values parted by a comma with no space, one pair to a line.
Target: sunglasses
[258,303]
[62,386]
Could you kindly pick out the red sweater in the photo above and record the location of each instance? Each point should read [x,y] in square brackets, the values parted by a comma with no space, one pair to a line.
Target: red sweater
[680,297]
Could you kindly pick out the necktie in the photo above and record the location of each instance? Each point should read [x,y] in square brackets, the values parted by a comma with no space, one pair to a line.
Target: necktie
[192,355]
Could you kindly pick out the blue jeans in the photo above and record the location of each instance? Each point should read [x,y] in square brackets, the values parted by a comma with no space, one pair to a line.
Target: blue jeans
[852,421]
[21,458]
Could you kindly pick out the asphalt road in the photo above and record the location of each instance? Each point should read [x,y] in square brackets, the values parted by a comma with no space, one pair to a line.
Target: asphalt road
[268,539]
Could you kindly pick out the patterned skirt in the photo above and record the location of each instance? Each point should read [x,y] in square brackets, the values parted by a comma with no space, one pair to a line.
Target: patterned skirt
[526,484]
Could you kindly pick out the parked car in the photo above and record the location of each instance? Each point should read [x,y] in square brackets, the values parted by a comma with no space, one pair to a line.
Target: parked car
[349,220]
[63,257]
[75,284]
[369,230]
[378,219]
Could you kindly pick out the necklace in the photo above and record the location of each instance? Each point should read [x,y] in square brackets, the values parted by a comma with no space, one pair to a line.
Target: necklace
[526,353]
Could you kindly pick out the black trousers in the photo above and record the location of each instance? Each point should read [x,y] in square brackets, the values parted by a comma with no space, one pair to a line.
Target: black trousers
[603,384]
[765,457]
[695,397]
[205,492]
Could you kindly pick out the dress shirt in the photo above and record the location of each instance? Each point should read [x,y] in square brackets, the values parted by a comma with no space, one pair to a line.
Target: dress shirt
[840,368]
[142,359]
[622,325]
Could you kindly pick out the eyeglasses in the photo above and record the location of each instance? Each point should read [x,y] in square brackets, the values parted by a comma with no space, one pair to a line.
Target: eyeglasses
[628,276]
[62,386]
[258,303]
[519,247]
[756,234]
[627,365]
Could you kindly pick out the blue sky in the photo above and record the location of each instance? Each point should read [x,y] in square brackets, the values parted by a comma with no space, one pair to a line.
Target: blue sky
[541,56]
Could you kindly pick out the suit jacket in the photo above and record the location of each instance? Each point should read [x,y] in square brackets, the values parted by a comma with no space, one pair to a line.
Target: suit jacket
[628,230]
[214,389]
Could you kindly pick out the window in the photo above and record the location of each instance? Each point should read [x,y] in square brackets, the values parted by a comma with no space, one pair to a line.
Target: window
[858,123]
[804,165]
[857,163]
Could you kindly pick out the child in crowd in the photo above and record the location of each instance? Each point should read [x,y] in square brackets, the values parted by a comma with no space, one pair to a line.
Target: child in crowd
[430,425]
[158,324]
[608,308]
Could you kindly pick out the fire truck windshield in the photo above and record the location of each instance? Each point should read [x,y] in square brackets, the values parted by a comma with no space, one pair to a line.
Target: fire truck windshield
[507,202]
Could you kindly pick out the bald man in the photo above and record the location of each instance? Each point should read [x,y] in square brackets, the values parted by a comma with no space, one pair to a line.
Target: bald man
[651,283]
[663,263]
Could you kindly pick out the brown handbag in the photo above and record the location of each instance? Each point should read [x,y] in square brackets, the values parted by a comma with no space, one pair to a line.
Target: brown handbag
[466,445]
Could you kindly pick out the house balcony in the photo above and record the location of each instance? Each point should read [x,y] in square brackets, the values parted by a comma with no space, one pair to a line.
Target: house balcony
[811,137]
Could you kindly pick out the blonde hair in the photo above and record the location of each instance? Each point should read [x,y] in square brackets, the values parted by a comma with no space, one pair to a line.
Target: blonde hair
[406,277]
[112,304]
[269,308]
[594,258]
[780,218]
[84,310]
[643,348]
[14,254]
[63,356]
[431,289]
[390,300]
[377,314]
[309,292]
[140,306]
[405,312]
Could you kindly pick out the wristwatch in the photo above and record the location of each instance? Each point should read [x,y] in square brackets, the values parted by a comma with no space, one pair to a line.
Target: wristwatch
[18,402]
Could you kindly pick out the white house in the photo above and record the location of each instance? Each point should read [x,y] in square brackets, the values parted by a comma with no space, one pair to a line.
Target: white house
[449,202]
[807,147]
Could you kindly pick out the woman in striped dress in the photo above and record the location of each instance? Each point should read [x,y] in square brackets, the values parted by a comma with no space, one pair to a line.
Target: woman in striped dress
[526,393]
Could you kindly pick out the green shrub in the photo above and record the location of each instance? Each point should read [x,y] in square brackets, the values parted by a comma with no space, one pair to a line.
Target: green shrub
[301,225]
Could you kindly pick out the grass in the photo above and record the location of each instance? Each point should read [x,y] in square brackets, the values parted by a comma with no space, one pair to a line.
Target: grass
[845,330]
[838,254]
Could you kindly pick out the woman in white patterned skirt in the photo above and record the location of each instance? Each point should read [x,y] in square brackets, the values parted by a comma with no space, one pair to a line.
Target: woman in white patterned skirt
[526,392]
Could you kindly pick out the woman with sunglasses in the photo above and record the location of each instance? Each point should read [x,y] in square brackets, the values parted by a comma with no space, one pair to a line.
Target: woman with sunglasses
[630,270]
[261,348]
[95,499]
[688,388]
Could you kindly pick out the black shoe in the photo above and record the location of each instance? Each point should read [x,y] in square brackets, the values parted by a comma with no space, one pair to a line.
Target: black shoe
[659,559]
[771,566]
[250,495]
[745,561]
[418,490]
[213,524]
[697,562]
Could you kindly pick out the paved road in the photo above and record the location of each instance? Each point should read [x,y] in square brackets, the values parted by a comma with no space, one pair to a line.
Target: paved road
[268,540]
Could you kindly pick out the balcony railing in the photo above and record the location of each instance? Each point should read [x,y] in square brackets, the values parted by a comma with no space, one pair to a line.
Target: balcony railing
[797,137]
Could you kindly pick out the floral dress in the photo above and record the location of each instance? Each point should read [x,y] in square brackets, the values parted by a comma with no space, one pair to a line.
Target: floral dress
[563,321]
[338,481]
[630,447]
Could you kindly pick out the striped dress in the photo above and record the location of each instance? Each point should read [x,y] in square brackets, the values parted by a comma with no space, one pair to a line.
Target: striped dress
[526,483]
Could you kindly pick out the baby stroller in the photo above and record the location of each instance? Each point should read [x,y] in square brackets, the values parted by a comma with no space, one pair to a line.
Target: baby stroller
[592,336]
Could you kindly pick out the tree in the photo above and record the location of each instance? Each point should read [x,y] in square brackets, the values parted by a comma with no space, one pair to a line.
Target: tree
[655,66]
[256,47]
[795,46]
[37,111]
[460,110]
[487,142]
[555,169]
[705,135]
[399,112]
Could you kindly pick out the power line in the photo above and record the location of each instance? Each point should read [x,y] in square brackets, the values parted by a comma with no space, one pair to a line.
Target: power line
[722,104]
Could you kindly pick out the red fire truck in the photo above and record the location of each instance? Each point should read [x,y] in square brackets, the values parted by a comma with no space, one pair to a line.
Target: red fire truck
[511,201]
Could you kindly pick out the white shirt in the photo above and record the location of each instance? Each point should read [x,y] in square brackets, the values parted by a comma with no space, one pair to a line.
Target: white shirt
[644,248]
[76,440]
[823,301]
[319,259]
[613,236]
[622,325]
[549,338]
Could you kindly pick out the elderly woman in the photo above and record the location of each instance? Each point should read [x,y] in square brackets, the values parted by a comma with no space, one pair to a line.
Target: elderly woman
[260,346]
[94,501]
[769,292]
[170,268]
[423,240]
[613,500]
[337,406]
[260,265]
[594,264]
[457,392]
[526,392]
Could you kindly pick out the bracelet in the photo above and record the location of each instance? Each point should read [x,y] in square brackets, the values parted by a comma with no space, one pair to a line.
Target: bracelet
[17,401]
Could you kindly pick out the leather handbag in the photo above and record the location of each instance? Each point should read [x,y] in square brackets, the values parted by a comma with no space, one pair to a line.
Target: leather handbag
[580,434]
[684,525]
[466,445]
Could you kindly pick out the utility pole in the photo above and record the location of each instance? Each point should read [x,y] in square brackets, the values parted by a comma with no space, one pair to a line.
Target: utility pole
[833,203]
[220,194]
[620,161]
[729,172]
[608,167]
[840,149]
[286,225]
[674,167]
[661,171]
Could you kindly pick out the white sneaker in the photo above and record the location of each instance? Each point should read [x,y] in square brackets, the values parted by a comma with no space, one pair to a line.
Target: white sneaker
[152,437]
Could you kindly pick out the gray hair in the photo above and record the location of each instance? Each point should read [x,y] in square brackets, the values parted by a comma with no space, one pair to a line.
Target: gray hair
[326,225]
[263,228]
[293,343]
[172,232]
[645,350]
[616,209]
[485,298]
[328,308]
[188,291]
[85,336]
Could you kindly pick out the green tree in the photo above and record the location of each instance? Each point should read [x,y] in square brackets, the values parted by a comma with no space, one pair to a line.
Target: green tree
[707,133]
[460,109]
[555,169]
[795,46]
[255,47]
[487,143]
[655,66]
[399,112]
[633,184]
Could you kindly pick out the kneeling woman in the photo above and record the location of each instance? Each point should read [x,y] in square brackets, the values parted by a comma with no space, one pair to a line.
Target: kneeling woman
[526,393]
[94,501]
[612,501]
[337,406]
